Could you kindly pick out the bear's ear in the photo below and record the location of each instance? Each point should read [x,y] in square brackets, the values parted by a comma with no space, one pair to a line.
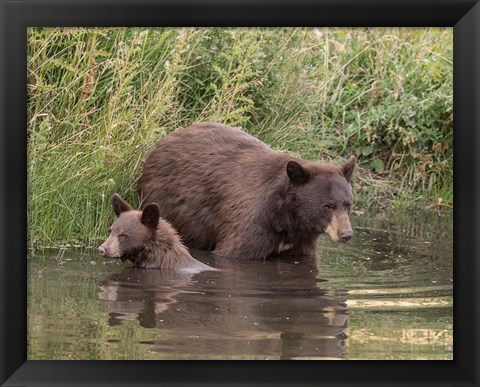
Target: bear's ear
[348,167]
[297,173]
[119,205]
[151,215]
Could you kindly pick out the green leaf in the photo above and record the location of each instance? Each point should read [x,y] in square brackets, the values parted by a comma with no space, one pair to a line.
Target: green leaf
[378,165]
[367,150]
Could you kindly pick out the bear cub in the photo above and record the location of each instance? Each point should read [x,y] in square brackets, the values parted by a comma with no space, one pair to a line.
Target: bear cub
[147,240]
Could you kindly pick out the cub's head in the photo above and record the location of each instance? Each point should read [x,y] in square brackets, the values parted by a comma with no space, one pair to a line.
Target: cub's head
[322,196]
[131,231]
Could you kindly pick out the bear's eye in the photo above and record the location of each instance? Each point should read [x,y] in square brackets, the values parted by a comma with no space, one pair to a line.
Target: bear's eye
[328,206]
[123,236]
[109,231]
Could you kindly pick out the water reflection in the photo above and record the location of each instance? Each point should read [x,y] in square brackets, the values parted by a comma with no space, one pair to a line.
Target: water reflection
[273,308]
[390,290]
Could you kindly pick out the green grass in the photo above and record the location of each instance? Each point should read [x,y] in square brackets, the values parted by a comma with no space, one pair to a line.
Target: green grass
[100,99]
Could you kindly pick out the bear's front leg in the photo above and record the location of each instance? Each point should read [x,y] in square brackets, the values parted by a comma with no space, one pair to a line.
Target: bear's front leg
[299,248]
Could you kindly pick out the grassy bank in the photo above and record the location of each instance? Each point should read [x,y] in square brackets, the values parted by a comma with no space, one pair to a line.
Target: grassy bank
[99,100]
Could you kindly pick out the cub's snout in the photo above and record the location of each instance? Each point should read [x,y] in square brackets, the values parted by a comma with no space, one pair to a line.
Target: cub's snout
[110,248]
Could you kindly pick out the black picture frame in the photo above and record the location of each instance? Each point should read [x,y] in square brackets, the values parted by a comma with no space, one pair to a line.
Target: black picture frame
[16,16]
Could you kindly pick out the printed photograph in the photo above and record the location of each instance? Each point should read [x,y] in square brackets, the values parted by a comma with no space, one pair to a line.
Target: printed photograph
[240,193]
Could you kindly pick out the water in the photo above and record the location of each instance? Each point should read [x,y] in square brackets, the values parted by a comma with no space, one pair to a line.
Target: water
[388,294]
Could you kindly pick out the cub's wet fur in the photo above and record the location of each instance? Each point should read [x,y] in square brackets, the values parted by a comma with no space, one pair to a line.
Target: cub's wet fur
[147,240]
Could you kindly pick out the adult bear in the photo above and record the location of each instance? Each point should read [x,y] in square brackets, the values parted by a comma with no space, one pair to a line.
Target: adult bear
[226,191]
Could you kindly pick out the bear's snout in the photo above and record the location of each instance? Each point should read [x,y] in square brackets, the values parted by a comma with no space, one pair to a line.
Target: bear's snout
[340,229]
[346,236]
[110,248]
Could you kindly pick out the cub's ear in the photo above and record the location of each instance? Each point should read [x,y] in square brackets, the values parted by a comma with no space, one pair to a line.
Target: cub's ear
[119,205]
[297,173]
[151,215]
[348,167]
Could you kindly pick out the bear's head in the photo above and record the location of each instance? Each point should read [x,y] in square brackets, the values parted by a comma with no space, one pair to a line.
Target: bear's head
[322,197]
[131,231]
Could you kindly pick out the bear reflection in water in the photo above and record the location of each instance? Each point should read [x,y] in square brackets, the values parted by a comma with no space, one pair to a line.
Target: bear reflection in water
[273,308]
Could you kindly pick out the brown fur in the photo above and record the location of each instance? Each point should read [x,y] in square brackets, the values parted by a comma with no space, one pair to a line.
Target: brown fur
[147,240]
[227,191]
